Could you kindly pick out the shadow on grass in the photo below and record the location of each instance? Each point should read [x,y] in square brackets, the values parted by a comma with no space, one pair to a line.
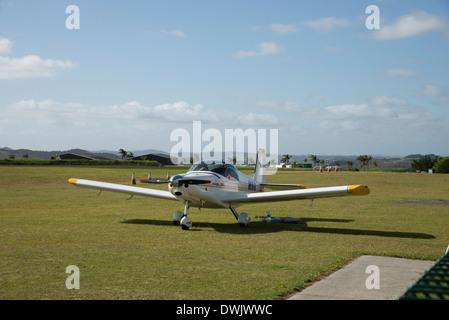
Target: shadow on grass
[260,227]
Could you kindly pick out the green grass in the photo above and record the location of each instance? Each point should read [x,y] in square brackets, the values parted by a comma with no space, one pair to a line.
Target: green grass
[129,249]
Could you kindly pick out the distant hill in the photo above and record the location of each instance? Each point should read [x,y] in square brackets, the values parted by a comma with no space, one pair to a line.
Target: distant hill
[46,155]
[381,160]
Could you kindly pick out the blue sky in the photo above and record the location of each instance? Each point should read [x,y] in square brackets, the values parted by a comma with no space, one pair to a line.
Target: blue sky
[136,70]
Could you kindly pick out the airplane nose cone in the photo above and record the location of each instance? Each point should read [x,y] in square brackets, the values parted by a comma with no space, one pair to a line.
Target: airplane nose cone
[174,180]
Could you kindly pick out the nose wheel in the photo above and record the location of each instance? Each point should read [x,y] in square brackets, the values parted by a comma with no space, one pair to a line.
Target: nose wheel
[180,218]
[186,223]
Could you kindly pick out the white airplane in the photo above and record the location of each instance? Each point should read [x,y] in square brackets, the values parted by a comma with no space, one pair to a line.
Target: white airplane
[221,185]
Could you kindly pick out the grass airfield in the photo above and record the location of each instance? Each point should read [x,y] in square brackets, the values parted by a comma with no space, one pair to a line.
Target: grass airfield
[130,249]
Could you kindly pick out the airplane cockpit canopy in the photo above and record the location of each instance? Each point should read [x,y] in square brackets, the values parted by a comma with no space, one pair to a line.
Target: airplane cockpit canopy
[227,170]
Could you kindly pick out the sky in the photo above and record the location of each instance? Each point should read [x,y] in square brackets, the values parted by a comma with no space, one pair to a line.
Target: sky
[132,72]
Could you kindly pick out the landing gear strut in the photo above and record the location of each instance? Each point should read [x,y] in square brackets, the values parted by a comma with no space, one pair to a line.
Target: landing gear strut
[243,219]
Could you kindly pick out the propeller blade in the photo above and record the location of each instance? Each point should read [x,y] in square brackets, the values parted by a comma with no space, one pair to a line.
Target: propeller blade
[180,182]
[175,182]
[155,180]
[192,181]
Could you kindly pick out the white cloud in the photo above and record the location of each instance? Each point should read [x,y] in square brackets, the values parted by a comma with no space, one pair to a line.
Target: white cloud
[50,115]
[384,101]
[266,104]
[293,106]
[315,97]
[5,47]
[410,25]
[347,110]
[375,108]
[327,24]
[30,66]
[284,28]
[430,90]
[176,33]
[433,91]
[263,49]
[398,73]
[257,120]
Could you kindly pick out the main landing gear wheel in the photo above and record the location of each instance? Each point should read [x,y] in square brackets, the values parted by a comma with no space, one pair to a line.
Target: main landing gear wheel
[244,219]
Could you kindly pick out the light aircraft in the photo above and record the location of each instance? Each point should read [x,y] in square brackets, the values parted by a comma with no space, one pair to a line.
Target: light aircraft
[221,185]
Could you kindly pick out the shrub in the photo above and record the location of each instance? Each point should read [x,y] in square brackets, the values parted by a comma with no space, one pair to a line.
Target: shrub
[442,166]
[425,163]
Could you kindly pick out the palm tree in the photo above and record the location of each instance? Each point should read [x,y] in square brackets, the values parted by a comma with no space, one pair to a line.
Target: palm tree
[314,158]
[350,164]
[286,158]
[123,153]
[364,160]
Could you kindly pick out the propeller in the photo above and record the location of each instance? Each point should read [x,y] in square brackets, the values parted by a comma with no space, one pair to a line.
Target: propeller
[176,181]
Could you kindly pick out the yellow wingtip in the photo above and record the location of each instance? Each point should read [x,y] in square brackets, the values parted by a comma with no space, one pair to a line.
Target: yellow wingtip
[359,190]
[72,181]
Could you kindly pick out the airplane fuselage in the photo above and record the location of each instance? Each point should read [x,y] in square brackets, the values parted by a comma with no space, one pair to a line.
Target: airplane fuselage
[210,194]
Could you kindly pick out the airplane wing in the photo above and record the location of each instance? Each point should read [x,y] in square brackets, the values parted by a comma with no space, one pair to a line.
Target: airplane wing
[281,186]
[312,193]
[123,189]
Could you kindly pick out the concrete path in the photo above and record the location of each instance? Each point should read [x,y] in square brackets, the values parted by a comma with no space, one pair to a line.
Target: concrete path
[359,280]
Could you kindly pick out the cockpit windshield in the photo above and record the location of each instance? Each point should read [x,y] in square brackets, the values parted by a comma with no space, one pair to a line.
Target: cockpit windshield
[225,169]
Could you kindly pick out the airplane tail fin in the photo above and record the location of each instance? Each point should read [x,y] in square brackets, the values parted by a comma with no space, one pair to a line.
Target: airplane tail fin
[259,172]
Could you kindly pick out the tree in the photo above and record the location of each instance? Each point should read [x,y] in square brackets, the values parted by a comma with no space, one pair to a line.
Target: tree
[350,164]
[314,158]
[370,158]
[364,160]
[442,165]
[425,163]
[123,153]
[286,158]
